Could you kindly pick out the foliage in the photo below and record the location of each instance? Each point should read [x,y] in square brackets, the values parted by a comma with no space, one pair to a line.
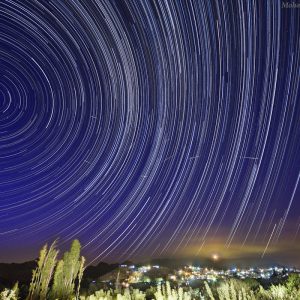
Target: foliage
[67,271]
[208,291]
[115,295]
[251,283]
[64,274]
[10,294]
[165,292]
[43,273]
[279,292]
[80,275]
[235,289]
[293,282]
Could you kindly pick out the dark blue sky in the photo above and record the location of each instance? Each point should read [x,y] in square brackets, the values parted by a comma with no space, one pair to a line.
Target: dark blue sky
[150,128]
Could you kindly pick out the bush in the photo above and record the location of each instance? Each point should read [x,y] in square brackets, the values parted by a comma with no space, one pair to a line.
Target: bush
[63,273]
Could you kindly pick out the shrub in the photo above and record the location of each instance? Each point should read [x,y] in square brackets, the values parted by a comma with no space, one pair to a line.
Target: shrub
[43,273]
[68,270]
[10,294]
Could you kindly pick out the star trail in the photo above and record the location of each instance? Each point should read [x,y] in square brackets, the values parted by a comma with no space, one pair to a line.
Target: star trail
[149,128]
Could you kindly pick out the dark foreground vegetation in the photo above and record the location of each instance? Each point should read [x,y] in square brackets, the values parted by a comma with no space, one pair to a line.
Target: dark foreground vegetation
[55,278]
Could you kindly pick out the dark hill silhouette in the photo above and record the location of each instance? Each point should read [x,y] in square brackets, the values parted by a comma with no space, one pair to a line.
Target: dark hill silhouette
[22,272]
[127,262]
[12,272]
[101,269]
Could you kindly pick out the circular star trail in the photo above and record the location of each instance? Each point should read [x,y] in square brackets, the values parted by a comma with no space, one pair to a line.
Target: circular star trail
[147,128]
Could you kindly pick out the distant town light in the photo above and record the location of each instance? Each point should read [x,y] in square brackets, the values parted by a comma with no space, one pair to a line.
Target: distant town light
[215,257]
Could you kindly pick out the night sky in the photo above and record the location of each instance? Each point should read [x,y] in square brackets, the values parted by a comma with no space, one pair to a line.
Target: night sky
[150,128]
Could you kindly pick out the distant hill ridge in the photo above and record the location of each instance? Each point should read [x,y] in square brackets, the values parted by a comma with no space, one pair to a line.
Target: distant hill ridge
[22,272]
